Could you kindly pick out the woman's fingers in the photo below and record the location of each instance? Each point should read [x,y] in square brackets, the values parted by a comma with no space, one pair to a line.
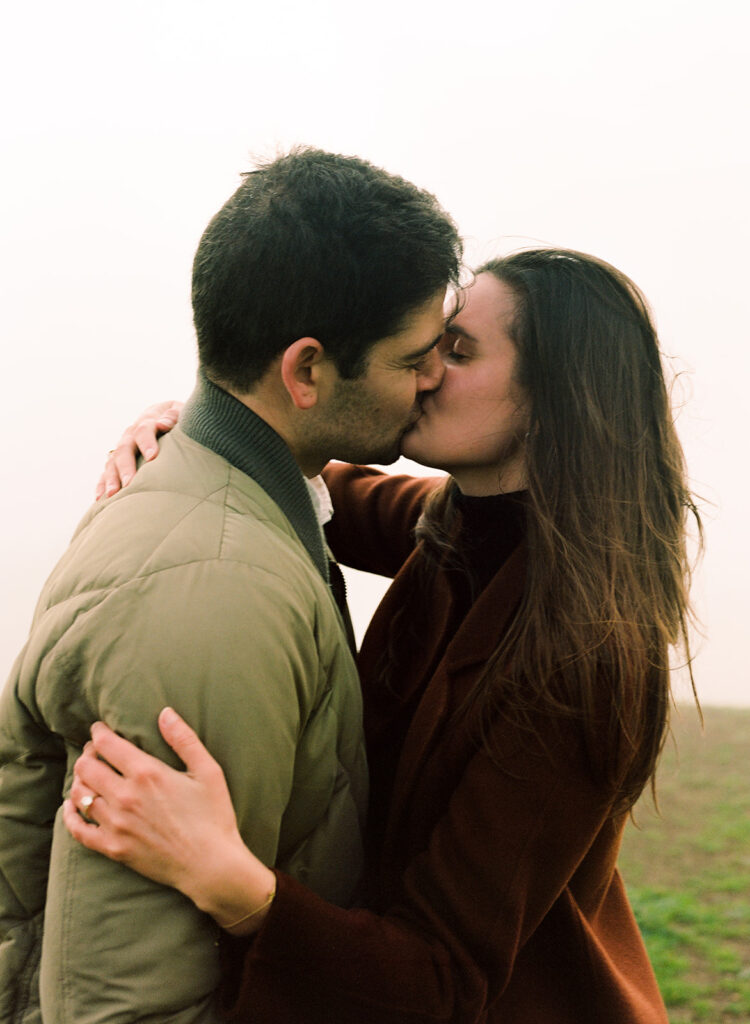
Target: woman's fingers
[140,437]
[122,755]
[108,758]
[169,417]
[123,814]
[92,775]
[109,482]
[100,833]
[94,783]
[119,468]
[88,834]
[185,743]
[176,827]
[101,487]
[83,799]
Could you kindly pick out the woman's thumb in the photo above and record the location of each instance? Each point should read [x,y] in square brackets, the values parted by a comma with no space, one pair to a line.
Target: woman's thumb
[182,739]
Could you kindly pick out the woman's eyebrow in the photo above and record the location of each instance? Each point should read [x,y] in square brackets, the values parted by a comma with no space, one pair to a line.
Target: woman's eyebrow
[451,327]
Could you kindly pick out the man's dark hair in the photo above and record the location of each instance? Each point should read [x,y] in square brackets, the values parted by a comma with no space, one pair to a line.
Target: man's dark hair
[320,245]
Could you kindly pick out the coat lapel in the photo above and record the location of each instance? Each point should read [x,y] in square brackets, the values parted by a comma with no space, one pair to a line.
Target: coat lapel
[465,658]
[487,620]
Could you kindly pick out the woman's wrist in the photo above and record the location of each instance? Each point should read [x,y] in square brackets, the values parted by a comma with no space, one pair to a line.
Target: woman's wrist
[239,893]
[250,923]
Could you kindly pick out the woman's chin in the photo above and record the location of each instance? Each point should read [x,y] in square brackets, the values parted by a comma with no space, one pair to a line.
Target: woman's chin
[414,450]
[418,445]
[410,445]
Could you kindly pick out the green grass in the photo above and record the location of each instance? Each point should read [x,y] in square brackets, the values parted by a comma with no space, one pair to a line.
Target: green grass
[688,869]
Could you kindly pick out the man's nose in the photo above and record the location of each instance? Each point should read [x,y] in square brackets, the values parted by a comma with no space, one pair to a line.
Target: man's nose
[431,375]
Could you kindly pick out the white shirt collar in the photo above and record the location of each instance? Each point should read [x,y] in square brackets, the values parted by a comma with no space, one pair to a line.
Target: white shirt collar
[321,499]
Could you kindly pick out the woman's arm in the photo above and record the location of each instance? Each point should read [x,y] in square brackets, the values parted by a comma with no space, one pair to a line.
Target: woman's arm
[503,849]
[375,513]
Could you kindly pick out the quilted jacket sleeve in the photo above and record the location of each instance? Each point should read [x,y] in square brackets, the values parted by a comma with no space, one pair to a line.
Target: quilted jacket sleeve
[234,652]
[31,780]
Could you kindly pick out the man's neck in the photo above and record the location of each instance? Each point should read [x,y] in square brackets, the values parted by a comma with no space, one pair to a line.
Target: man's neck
[269,407]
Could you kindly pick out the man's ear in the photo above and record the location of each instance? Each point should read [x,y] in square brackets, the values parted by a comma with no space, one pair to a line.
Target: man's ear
[301,365]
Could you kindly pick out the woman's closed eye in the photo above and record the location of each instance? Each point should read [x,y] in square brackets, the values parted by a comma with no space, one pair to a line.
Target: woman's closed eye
[455,356]
[454,348]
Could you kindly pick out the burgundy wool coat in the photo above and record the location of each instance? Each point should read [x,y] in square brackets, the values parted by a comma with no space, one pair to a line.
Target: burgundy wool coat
[492,893]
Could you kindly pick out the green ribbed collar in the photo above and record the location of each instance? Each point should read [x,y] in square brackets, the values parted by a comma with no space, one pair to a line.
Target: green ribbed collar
[218,421]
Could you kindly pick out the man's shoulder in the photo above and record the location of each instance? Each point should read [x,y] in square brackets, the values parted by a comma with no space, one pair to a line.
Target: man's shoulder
[187,475]
[188,508]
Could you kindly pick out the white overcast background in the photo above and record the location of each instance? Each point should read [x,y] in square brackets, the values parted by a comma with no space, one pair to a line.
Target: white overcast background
[618,129]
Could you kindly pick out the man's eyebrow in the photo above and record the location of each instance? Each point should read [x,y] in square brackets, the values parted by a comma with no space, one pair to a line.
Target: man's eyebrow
[424,350]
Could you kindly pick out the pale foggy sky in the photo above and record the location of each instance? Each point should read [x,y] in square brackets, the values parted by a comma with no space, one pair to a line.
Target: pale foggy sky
[620,130]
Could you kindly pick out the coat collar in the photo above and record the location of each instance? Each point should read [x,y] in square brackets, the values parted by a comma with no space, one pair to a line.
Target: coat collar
[218,421]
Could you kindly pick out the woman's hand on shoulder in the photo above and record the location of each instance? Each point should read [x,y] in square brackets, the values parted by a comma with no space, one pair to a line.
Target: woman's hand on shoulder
[141,437]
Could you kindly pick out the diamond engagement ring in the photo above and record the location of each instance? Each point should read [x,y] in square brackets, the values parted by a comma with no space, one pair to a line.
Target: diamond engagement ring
[85,804]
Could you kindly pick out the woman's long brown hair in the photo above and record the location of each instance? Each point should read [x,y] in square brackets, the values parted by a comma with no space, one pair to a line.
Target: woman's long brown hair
[606,592]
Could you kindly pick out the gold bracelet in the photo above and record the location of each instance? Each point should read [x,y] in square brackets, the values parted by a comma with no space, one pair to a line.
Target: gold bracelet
[269,901]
